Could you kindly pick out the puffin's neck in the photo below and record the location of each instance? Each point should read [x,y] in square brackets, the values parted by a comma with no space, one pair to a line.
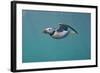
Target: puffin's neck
[52,33]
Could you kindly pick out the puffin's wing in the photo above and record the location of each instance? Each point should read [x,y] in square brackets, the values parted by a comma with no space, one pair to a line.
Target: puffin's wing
[72,29]
[62,28]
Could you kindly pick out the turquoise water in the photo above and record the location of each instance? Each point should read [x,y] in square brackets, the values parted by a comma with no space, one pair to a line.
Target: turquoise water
[40,47]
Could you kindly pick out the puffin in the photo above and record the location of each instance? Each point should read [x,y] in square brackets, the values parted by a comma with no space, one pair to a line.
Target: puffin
[61,32]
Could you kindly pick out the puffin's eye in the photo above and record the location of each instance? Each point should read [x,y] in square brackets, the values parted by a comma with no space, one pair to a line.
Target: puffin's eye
[49,29]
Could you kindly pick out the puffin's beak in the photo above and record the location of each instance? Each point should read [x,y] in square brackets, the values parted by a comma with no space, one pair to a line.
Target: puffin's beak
[44,31]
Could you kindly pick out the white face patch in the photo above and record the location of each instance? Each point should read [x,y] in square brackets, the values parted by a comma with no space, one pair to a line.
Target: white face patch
[49,30]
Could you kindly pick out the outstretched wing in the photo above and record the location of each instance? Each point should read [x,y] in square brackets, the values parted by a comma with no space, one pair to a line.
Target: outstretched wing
[65,27]
[72,29]
[62,28]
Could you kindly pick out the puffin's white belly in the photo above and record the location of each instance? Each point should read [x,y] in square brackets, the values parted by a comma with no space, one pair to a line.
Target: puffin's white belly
[59,34]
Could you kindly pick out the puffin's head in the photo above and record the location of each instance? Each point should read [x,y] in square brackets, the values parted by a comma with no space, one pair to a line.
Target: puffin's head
[48,30]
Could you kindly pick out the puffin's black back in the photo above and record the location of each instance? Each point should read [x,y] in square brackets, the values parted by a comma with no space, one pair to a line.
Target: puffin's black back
[62,28]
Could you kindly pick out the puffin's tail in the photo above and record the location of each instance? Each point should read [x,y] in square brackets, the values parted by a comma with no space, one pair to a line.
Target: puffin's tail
[69,27]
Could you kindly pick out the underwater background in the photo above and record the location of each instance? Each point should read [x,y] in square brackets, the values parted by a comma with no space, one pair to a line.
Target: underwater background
[40,47]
